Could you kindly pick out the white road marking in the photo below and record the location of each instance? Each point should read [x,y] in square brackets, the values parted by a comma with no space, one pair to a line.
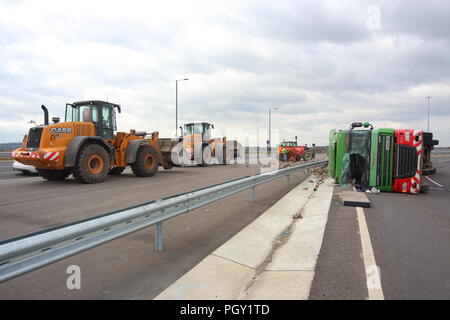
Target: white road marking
[4,181]
[444,161]
[439,185]
[372,270]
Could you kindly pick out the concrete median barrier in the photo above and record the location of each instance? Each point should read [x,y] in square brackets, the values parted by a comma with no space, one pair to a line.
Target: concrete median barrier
[272,258]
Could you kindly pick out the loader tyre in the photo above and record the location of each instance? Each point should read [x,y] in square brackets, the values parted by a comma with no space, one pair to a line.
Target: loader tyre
[92,165]
[53,175]
[147,162]
[179,156]
[206,156]
[116,171]
[227,156]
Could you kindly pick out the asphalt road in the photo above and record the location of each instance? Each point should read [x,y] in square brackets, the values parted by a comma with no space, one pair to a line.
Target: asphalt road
[410,236]
[7,173]
[411,239]
[5,153]
[128,268]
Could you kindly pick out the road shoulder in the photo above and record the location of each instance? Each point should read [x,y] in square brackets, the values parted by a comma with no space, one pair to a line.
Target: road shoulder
[340,272]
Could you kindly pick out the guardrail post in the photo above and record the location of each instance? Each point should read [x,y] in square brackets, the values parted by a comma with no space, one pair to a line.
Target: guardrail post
[253,195]
[159,237]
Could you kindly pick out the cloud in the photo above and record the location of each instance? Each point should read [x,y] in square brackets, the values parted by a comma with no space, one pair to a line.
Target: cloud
[317,61]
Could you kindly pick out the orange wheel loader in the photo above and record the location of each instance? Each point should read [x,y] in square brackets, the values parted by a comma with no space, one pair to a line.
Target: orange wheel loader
[87,146]
[200,148]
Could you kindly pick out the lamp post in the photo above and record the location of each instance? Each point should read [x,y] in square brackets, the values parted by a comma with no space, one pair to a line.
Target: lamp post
[269,142]
[428,117]
[176,105]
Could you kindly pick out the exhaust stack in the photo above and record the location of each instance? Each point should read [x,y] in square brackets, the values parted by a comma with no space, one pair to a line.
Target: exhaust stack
[45,114]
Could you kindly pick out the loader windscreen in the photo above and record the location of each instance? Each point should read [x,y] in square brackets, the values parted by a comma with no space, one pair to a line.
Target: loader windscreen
[87,113]
[203,129]
[191,128]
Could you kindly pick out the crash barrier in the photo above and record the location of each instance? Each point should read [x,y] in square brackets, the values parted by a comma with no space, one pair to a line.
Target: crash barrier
[29,252]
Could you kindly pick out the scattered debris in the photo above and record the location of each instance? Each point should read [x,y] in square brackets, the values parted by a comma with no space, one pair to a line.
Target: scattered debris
[375,190]
[355,199]
[297,216]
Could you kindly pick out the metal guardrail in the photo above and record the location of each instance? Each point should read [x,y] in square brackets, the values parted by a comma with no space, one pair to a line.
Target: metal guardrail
[440,152]
[29,252]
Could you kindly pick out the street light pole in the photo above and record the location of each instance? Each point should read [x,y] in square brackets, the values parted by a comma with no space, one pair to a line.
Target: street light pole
[176,105]
[428,114]
[269,142]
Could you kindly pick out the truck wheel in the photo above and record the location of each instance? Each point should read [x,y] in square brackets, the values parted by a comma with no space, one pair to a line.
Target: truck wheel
[424,188]
[298,157]
[307,156]
[53,175]
[92,164]
[427,137]
[116,171]
[147,162]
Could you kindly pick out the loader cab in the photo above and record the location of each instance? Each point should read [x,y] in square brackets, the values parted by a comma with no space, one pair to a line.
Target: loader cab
[199,128]
[102,114]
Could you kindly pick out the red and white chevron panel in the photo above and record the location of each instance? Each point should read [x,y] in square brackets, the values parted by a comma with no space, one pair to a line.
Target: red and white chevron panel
[52,156]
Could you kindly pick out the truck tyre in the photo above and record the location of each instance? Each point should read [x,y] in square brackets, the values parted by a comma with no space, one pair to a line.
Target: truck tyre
[424,188]
[53,175]
[147,162]
[92,165]
[179,156]
[307,156]
[434,142]
[427,137]
[427,172]
[116,171]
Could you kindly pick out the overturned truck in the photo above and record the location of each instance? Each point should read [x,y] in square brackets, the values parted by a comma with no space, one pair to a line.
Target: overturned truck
[385,159]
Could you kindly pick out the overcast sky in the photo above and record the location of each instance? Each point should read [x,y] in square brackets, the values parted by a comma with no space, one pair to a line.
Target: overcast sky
[325,64]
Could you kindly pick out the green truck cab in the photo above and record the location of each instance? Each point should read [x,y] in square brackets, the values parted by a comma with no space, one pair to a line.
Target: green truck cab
[362,157]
